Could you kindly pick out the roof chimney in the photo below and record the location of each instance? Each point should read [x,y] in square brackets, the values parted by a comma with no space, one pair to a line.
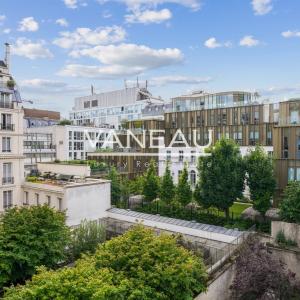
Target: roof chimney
[7,56]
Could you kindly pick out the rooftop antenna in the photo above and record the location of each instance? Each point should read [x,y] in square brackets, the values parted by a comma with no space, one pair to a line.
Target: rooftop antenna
[146,84]
[92,90]
[7,56]
[137,82]
[125,83]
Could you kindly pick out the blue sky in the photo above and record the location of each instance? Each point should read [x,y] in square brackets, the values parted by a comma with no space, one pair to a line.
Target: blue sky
[61,47]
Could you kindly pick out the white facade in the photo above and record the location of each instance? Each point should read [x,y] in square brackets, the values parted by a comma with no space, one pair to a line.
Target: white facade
[177,157]
[86,199]
[68,142]
[111,108]
[11,141]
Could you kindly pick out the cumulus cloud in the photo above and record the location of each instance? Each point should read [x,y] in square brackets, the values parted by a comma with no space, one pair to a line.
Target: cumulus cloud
[149,16]
[249,41]
[177,79]
[212,43]
[71,3]
[86,36]
[121,60]
[28,24]
[62,22]
[2,19]
[32,50]
[290,34]
[262,7]
[39,85]
[6,30]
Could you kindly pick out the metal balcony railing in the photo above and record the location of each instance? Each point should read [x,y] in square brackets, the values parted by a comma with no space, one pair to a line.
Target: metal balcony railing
[8,180]
[8,127]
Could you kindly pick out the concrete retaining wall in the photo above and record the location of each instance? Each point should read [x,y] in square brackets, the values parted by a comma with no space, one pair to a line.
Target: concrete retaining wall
[291,230]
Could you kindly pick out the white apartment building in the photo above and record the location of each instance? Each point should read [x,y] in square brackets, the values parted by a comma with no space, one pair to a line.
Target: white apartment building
[11,139]
[110,109]
[64,143]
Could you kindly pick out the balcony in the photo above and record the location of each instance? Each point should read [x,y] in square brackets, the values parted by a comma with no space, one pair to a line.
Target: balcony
[8,180]
[6,104]
[7,127]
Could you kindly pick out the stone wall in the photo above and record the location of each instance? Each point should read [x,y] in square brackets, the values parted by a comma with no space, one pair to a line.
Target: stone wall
[291,230]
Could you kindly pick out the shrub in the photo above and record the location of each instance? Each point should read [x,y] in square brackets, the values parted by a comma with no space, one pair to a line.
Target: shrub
[281,240]
[85,238]
[30,237]
[137,265]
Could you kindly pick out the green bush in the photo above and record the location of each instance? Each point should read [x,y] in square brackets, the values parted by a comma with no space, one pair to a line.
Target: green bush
[30,237]
[137,265]
[31,178]
[281,240]
[85,238]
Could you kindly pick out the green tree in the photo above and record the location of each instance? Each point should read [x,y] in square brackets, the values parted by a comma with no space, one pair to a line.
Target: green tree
[151,183]
[260,179]
[85,238]
[290,204]
[183,192]
[64,122]
[136,265]
[30,237]
[115,186]
[167,188]
[221,176]
[136,185]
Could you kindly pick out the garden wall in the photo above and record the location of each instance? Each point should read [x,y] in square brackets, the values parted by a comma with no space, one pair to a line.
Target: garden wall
[291,230]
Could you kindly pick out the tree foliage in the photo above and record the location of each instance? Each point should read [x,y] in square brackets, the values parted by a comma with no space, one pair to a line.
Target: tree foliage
[259,276]
[115,186]
[151,183]
[85,238]
[290,205]
[137,265]
[167,188]
[30,237]
[260,179]
[183,192]
[221,176]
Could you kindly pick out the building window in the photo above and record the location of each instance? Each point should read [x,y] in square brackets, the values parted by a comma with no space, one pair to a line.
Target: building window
[59,204]
[7,199]
[37,199]
[285,147]
[168,155]
[193,178]
[26,199]
[7,174]
[180,155]
[6,122]
[49,200]
[193,156]
[298,174]
[6,144]
[291,174]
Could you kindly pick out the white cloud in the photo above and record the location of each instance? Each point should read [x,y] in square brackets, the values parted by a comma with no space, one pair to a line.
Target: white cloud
[121,60]
[177,79]
[62,22]
[149,16]
[28,24]
[262,7]
[2,19]
[6,30]
[290,34]
[249,41]
[71,3]
[281,90]
[85,36]
[145,4]
[212,43]
[39,85]
[27,48]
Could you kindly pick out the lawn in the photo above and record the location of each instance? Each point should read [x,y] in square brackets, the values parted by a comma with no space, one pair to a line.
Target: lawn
[237,208]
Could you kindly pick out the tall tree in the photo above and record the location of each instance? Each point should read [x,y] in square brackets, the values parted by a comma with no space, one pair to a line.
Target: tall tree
[114,177]
[151,183]
[260,179]
[290,204]
[167,189]
[30,237]
[184,192]
[221,176]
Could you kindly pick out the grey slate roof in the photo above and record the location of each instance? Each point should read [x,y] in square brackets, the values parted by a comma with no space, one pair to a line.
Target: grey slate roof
[178,222]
